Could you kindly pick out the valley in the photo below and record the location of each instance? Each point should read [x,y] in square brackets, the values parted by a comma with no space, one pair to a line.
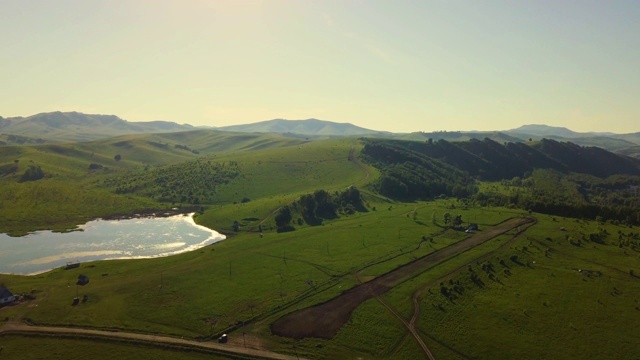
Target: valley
[448,249]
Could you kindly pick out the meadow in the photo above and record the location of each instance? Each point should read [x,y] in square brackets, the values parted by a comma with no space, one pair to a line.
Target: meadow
[555,290]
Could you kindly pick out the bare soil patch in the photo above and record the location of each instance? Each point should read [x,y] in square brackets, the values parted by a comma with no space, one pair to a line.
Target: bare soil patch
[324,320]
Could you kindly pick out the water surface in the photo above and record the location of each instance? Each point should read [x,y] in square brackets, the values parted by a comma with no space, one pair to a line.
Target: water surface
[103,240]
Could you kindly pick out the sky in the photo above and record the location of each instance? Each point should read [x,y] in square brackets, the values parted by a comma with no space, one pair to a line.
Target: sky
[393,65]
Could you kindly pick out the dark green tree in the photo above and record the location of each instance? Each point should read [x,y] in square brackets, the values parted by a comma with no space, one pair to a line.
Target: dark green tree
[447,219]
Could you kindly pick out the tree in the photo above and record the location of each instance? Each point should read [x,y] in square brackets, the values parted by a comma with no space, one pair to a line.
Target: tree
[325,206]
[447,219]
[351,196]
[283,219]
[308,203]
[33,173]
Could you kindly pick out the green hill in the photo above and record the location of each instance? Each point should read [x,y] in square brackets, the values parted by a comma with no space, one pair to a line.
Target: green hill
[489,160]
[77,182]
[547,176]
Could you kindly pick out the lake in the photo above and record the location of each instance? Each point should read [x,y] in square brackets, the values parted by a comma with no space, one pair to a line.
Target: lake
[103,240]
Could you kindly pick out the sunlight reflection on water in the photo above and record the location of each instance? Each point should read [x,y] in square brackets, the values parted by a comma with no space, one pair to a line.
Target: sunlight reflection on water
[104,240]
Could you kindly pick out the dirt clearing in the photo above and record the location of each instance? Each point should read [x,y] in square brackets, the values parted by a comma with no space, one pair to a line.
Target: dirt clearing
[324,320]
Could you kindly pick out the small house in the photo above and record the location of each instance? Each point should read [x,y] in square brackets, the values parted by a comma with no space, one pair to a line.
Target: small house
[473,227]
[6,296]
[72,265]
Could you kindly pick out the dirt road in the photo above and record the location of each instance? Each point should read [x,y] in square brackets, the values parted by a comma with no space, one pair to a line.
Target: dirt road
[227,349]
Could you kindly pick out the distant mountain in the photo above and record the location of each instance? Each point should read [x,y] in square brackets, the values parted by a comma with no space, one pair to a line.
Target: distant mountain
[613,143]
[459,136]
[633,151]
[632,137]
[545,131]
[556,132]
[74,126]
[311,127]
[605,140]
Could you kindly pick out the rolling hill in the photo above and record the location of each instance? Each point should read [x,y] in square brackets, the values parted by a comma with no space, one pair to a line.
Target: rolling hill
[241,183]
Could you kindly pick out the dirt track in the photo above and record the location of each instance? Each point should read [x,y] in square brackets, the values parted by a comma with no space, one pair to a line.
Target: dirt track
[229,349]
[324,320]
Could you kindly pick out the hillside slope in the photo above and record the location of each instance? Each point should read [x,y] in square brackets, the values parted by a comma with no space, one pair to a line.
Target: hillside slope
[489,160]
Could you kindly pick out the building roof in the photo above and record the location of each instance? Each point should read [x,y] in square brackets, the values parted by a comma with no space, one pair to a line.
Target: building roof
[5,293]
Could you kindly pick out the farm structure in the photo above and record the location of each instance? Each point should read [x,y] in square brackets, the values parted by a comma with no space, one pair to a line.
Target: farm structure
[6,296]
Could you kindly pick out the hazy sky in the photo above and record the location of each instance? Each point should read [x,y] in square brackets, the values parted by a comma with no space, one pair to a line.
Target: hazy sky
[386,65]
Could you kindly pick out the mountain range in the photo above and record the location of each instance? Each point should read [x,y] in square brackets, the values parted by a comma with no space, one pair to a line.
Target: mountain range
[59,126]
[74,126]
[308,127]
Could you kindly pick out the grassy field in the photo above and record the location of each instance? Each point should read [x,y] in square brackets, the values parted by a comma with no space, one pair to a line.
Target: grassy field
[253,279]
[570,292]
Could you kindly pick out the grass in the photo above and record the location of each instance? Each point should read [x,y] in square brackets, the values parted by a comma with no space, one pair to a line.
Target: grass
[548,306]
[56,204]
[543,308]
[205,291]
